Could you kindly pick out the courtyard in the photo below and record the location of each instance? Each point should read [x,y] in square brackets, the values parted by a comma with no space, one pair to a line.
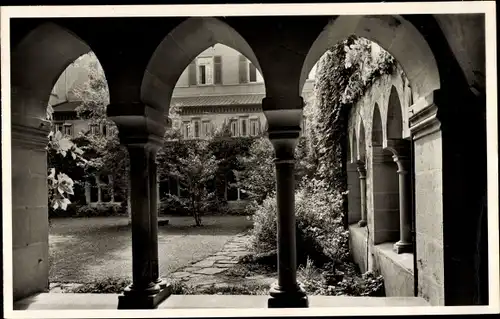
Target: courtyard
[84,250]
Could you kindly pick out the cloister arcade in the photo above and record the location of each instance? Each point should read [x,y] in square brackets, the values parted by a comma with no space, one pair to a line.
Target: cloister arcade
[410,144]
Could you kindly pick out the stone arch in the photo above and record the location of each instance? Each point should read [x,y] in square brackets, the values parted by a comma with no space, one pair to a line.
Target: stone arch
[394,122]
[377,133]
[354,146]
[393,33]
[37,61]
[179,48]
[361,146]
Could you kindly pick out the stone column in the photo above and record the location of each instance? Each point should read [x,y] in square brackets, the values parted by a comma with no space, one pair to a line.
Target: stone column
[283,132]
[404,245]
[142,134]
[362,191]
[400,150]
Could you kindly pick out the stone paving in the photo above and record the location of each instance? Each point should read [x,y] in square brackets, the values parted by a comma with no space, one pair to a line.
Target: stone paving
[208,271]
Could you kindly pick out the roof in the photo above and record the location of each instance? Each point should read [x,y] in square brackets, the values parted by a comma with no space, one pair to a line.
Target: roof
[66,106]
[218,100]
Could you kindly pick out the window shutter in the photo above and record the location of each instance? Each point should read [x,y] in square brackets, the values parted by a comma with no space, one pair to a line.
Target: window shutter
[243,69]
[217,69]
[253,72]
[192,73]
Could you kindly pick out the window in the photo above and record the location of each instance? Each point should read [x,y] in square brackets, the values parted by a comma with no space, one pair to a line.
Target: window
[196,129]
[254,127]
[185,130]
[58,127]
[217,70]
[68,129]
[206,129]
[204,70]
[234,128]
[94,128]
[104,129]
[252,72]
[243,126]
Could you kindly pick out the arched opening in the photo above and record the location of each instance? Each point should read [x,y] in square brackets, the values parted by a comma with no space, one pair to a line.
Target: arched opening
[394,116]
[353,185]
[393,33]
[384,181]
[35,66]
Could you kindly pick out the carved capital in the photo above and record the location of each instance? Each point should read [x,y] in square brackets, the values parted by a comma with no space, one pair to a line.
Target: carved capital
[139,125]
[30,137]
[424,120]
[361,169]
[283,114]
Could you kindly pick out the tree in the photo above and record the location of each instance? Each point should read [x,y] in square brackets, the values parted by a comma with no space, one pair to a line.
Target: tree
[192,163]
[103,150]
[227,150]
[258,175]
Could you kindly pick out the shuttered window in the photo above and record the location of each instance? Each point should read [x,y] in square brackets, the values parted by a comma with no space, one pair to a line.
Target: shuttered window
[243,67]
[192,73]
[253,72]
[217,70]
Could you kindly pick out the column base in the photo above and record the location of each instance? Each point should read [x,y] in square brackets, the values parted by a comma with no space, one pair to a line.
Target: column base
[133,299]
[362,223]
[402,247]
[287,299]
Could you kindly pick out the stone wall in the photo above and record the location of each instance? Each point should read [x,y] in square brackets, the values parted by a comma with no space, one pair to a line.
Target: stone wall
[382,195]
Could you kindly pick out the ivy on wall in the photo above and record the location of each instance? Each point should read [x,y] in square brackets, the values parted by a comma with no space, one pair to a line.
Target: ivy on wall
[345,73]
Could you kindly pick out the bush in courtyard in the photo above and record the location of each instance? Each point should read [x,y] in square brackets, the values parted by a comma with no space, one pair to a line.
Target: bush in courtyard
[340,280]
[101,210]
[320,232]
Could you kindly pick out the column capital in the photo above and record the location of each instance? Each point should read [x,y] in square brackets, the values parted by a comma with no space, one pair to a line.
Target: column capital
[361,169]
[139,125]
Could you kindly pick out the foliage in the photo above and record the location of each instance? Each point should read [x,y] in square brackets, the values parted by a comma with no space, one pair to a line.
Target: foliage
[60,185]
[104,152]
[346,72]
[341,280]
[193,164]
[106,286]
[228,152]
[258,173]
[101,210]
[320,232]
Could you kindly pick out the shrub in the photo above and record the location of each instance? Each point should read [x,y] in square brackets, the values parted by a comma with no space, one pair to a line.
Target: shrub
[320,232]
[101,210]
[173,205]
[341,280]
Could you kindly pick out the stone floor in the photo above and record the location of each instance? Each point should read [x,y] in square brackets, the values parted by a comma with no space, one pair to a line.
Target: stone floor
[50,301]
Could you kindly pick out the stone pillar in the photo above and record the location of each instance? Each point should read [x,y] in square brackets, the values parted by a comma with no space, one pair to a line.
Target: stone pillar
[400,149]
[283,132]
[140,132]
[362,191]
[404,245]
[30,220]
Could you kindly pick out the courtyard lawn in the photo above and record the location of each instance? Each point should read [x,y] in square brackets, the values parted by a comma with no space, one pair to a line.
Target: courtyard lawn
[83,250]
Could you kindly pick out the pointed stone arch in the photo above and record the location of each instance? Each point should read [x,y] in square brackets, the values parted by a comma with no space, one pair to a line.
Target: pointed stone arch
[179,48]
[394,121]
[393,33]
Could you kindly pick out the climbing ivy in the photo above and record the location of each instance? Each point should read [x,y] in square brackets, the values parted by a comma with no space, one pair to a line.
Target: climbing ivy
[345,74]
